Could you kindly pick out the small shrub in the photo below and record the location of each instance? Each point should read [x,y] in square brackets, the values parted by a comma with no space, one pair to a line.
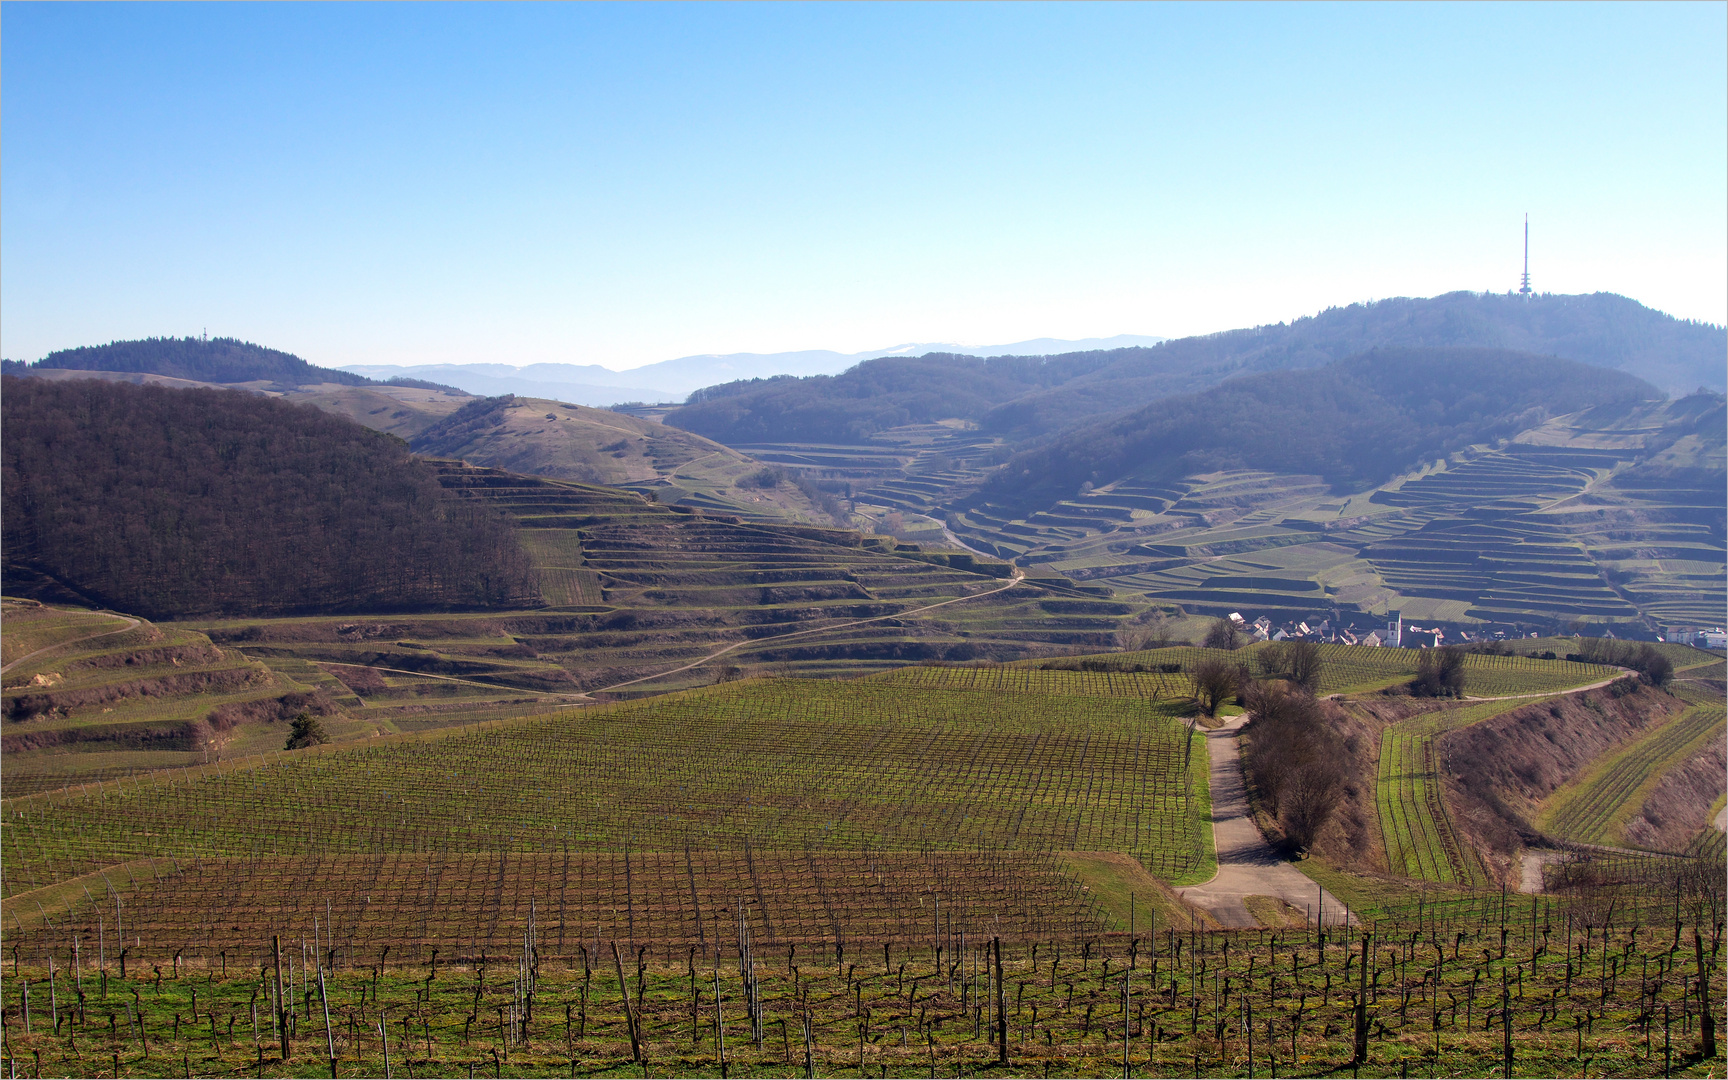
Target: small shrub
[306,730]
[770,477]
[1621,687]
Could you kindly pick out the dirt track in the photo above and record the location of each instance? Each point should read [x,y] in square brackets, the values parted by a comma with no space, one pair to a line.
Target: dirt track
[1013,581]
[1247,865]
[129,621]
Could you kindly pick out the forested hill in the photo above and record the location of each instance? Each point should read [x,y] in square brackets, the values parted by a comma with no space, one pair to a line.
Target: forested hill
[169,503]
[216,360]
[1356,423]
[1061,392]
[874,396]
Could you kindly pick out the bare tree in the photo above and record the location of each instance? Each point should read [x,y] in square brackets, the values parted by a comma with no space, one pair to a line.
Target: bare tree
[1148,630]
[1296,662]
[1222,634]
[1213,682]
[1295,760]
[1439,673]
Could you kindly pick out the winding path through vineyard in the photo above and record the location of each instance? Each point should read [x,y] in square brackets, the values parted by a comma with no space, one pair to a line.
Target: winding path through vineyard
[129,621]
[1016,579]
[1247,865]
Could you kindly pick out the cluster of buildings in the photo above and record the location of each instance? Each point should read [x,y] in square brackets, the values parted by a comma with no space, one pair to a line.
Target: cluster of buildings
[1261,629]
[1713,638]
[1396,634]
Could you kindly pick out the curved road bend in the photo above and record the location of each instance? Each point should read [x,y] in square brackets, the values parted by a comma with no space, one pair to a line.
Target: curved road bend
[127,619]
[1247,865]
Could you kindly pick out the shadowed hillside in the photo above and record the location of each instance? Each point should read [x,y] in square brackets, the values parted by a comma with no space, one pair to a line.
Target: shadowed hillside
[1355,423]
[1022,398]
[171,503]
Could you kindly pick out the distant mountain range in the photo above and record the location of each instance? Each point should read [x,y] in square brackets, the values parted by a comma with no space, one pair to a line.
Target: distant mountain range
[673,380]
[1028,399]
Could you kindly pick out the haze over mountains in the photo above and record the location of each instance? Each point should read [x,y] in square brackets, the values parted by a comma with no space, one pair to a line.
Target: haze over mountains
[1583,432]
[1065,391]
[669,380]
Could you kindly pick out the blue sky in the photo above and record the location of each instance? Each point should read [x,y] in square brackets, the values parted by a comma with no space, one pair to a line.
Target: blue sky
[621,184]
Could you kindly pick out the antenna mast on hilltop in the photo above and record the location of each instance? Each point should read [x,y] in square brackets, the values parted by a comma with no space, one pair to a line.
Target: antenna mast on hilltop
[1524,288]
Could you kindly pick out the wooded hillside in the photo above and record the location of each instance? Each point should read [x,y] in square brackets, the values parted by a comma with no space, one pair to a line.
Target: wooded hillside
[1355,423]
[1029,398]
[169,503]
[874,396]
[220,360]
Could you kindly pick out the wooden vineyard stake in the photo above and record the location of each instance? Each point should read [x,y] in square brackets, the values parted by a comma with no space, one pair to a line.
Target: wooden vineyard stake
[1706,1018]
[1361,1048]
[329,1036]
[281,1004]
[1248,1029]
[719,1017]
[1002,1011]
[629,1013]
[1506,1020]
[1125,1025]
[384,1040]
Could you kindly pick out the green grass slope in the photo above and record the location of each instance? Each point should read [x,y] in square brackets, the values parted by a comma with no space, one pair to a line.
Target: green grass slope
[138,698]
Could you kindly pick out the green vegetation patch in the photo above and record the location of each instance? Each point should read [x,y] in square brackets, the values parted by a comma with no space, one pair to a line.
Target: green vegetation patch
[782,764]
[1409,796]
[1593,807]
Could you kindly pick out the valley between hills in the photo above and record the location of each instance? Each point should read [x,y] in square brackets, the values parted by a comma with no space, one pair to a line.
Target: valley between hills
[892,721]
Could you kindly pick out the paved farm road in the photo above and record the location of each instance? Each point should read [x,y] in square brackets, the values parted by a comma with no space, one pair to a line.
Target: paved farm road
[1247,865]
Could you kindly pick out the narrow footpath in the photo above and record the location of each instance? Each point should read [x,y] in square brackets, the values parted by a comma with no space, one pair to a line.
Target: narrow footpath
[127,619]
[1247,865]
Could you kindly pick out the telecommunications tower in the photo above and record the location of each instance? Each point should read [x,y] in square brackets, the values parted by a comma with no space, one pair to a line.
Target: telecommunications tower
[1524,287]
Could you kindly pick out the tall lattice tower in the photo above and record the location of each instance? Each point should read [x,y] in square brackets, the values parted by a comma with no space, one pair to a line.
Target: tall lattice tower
[1524,286]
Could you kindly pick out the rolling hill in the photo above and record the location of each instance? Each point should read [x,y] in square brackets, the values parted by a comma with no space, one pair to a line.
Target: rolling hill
[169,503]
[227,361]
[1355,423]
[1472,487]
[535,435]
[1050,394]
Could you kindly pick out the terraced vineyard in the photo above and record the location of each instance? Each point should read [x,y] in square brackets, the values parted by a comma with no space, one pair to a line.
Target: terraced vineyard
[1415,826]
[640,597]
[1592,808]
[135,698]
[31,627]
[638,589]
[1610,516]
[1585,518]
